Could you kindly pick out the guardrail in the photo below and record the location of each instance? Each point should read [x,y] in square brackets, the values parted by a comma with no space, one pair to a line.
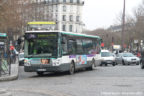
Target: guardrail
[5,65]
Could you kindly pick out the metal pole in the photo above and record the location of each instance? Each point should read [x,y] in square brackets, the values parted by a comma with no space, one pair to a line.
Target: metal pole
[0,66]
[123,27]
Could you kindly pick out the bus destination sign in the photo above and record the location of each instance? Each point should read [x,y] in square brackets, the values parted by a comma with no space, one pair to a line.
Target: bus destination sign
[34,36]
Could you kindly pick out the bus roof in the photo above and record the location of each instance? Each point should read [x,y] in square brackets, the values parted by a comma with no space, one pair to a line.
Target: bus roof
[68,33]
[41,22]
[3,34]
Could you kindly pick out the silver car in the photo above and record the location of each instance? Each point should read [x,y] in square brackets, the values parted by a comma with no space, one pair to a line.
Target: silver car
[127,59]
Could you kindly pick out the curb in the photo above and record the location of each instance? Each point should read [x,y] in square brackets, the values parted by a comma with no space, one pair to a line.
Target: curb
[9,78]
[13,76]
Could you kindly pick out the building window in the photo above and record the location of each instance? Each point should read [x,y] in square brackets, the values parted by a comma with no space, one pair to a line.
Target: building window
[71,17]
[64,27]
[71,1]
[64,8]
[56,8]
[64,18]
[64,1]
[56,18]
[77,18]
[70,28]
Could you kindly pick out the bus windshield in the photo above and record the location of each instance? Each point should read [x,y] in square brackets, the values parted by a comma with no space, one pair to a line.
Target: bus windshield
[41,47]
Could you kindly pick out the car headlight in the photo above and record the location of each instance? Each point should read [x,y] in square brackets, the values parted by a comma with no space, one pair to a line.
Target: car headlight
[125,59]
[138,59]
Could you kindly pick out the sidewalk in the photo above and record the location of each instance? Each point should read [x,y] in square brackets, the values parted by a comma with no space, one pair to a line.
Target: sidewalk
[13,75]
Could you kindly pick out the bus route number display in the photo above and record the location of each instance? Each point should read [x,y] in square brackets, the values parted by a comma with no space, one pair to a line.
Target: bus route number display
[34,36]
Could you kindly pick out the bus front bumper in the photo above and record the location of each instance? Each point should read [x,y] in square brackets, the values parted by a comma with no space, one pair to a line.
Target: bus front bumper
[40,68]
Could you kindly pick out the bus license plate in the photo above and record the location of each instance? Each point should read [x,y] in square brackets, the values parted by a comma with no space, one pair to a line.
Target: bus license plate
[41,70]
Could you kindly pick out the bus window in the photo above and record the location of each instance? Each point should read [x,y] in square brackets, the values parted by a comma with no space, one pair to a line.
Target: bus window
[98,47]
[88,46]
[64,46]
[42,46]
[79,47]
[71,46]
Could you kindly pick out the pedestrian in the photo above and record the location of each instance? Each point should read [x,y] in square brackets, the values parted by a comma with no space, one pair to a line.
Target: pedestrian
[138,54]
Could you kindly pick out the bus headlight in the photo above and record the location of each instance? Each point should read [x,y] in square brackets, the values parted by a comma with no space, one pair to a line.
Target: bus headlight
[56,62]
[26,63]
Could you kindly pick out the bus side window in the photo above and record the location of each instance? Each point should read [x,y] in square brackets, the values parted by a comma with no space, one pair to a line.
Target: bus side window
[71,46]
[64,46]
[87,45]
[79,47]
[98,47]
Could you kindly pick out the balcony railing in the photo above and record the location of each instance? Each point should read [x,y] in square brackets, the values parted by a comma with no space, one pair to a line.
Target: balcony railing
[61,2]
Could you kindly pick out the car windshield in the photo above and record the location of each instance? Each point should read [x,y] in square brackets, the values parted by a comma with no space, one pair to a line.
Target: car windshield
[106,54]
[128,55]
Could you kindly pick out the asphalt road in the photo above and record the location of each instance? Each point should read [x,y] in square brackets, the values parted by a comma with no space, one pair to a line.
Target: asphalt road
[103,81]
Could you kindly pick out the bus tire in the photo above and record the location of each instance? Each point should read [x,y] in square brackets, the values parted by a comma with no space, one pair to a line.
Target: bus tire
[40,73]
[72,69]
[92,64]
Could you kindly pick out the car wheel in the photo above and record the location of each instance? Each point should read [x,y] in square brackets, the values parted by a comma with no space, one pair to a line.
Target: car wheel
[106,64]
[113,64]
[142,65]
[137,63]
[123,62]
[92,65]
[101,64]
[72,69]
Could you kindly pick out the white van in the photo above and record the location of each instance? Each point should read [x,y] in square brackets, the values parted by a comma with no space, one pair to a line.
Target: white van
[107,58]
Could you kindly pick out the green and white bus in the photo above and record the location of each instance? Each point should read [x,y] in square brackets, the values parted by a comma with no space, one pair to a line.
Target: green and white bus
[52,51]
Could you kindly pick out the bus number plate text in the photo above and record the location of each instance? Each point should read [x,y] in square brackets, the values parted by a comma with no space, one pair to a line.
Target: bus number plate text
[41,69]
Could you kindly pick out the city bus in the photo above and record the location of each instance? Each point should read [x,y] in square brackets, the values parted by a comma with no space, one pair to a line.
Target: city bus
[52,51]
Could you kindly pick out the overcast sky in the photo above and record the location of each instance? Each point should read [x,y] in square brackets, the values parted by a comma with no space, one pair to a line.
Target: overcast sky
[103,13]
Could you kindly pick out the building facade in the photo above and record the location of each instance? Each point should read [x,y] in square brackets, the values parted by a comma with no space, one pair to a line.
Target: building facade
[66,13]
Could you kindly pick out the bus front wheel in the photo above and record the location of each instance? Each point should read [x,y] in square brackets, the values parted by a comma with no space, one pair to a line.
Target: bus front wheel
[92,65]
[40,73]
[72,69]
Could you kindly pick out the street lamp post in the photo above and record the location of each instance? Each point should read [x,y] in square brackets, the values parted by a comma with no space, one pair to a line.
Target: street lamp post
[123,27]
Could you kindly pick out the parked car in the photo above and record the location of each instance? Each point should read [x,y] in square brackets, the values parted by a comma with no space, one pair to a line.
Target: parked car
[107,58]
[127,59]
[21,59]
